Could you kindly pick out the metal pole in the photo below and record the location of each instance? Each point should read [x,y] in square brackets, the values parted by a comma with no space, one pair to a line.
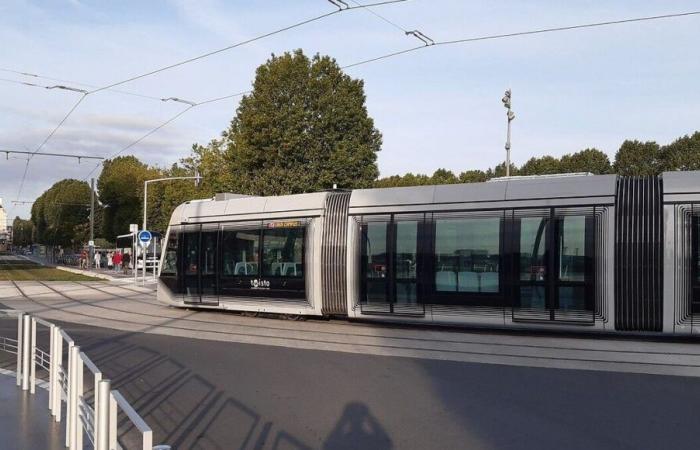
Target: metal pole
[26,350]
[92,224]
[508,149]
[145,201]
[102,416]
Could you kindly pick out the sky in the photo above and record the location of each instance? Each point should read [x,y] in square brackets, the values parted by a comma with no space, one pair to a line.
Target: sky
[436,108]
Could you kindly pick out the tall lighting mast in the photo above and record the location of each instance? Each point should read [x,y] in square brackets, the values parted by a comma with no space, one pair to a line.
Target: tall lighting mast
[510,115]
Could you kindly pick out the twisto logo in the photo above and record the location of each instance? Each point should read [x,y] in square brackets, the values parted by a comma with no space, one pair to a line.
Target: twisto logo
[260,284]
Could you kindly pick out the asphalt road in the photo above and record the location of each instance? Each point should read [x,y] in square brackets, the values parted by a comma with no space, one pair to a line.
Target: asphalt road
[199,394]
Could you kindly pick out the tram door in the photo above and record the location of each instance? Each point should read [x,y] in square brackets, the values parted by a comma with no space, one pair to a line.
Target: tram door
[554,267]
[199,264]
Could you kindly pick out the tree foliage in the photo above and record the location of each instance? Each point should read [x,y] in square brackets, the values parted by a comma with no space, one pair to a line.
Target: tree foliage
[22,232]
[304,128]
[636,158]
[120,187]
[682,154]
[589,160]
[61,213]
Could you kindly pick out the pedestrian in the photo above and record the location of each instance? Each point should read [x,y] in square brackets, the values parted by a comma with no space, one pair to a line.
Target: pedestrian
[117,259]
[110,263]
[83,259]
[98,260]
[126,259]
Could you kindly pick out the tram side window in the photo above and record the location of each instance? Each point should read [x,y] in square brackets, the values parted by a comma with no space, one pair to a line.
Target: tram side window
[283,252]
[375,261]
[240,252]
[696,258]
[467,255]
[170,259]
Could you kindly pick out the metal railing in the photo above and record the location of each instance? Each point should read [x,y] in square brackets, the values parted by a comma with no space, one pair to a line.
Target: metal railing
[95,417]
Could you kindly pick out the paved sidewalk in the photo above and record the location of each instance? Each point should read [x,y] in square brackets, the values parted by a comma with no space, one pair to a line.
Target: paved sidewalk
[25,420]
[106,274]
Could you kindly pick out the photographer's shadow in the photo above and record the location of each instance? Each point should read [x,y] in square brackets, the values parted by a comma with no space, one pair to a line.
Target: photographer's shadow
[357,429]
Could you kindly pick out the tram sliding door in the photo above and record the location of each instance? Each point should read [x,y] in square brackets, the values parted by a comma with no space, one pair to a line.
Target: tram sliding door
[553,276]
[199,264]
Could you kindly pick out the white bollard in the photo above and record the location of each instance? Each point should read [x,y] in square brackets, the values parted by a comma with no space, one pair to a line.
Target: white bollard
[113,415]
[52,364]
[32,370]
[102,421]
[58,385]
[20,320]
[70,410]
[77,401]
[26,350]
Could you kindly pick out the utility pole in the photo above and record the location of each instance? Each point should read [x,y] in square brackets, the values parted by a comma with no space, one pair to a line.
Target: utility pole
[91,244]
[510,115]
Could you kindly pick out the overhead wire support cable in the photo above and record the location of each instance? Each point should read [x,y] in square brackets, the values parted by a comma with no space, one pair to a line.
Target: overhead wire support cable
[61,155]
[247,41]
[381,17]
[419,35]
[524,33]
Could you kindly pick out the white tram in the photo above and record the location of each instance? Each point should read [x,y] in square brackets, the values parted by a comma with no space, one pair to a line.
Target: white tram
[604,253]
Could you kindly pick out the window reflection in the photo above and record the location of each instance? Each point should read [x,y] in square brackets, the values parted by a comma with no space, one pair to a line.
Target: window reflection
[467,255]
[572,248]
[533,237]
[240,252]
[283,250]
[375,261]
[170,259]
[406,261]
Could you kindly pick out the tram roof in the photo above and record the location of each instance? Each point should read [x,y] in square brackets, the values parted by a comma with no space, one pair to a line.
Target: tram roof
[682,182]
[238,207]
[514,189]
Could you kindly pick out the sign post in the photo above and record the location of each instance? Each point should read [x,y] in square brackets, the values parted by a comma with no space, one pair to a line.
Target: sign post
[144,238]
[134,229]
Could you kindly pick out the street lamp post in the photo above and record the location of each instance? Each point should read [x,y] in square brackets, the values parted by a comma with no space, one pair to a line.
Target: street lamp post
[197,179]
[510,115]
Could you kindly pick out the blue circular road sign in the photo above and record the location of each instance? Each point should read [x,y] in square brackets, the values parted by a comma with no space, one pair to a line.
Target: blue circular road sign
[144,237]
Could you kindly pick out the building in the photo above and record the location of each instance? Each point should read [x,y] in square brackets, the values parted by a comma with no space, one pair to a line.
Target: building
[3,219]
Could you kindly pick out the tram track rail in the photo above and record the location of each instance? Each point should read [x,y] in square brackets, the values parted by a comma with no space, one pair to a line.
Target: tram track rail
[505,355]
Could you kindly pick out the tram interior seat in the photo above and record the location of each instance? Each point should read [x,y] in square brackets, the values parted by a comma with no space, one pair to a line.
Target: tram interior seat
[446,280]
[468,282]
[246,268]
[488,282]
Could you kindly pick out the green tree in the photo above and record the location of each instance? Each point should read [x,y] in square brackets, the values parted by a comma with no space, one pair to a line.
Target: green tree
[682,154]
[589,160]
[473,176]
[542,165]
[22,232]
[120,187]
[443,176]
[61,213]
[38,218]
[636,158]
[303,128]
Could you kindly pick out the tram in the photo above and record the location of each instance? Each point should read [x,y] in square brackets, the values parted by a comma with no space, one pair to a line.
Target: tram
[574,252]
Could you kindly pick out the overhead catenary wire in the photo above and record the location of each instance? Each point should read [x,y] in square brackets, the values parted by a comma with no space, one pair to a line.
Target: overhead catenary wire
[245,42]
[187,61]
[522,33]
[62,80]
